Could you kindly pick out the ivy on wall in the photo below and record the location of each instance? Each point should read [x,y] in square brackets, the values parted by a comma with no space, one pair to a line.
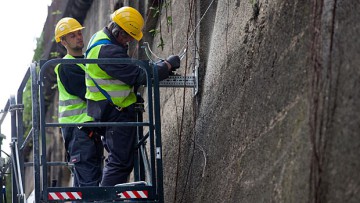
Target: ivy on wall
[157,13]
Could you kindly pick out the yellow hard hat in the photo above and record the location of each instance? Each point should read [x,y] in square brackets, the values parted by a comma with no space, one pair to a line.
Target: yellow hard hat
[130,20]
[65,26]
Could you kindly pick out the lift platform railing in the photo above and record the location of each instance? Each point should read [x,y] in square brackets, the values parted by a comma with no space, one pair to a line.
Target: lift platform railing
[150,191]
[15,107]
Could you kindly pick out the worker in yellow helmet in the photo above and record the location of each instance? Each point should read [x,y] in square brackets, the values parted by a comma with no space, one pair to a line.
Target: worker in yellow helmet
[83,145]
[111,89]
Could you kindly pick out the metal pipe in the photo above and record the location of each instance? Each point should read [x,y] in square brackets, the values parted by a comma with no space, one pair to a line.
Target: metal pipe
[159,164]
[5,110]
[35,124]
[22,194]
[15,189]
[27,139]
[146,165]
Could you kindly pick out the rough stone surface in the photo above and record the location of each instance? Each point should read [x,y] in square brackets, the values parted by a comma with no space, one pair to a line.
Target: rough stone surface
[275,118]
[276,115]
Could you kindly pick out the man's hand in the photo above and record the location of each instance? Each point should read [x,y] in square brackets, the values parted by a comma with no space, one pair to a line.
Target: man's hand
[174,61]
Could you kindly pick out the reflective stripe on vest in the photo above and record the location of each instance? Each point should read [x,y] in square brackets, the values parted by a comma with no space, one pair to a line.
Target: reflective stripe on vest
[72,109]
[106,81]
[121,94]
[70,102]
[74,112]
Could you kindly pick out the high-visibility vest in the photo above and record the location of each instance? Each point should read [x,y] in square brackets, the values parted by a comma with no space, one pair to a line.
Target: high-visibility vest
[121,94]
[72,109]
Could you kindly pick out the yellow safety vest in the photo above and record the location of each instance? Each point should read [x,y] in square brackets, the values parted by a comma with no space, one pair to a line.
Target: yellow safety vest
[122,95]
[72,109]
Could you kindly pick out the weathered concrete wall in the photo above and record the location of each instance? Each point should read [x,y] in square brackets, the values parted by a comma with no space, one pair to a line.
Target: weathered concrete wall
[338,129]
[97,17]
[275,119]
[249,142]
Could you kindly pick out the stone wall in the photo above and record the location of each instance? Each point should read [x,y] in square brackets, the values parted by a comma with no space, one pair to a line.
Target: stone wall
[275,118]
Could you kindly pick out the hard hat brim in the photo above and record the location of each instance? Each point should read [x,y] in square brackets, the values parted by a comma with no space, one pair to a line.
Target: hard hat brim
[57,39]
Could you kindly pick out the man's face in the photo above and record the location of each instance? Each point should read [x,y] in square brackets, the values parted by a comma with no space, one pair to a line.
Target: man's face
[74,40]
[124,38]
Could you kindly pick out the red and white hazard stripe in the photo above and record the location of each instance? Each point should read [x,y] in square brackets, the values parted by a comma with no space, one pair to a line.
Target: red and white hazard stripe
[133,194]
[64,195]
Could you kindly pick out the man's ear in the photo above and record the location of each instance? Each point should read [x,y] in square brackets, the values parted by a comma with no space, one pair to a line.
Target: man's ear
[63,42]
[115,33]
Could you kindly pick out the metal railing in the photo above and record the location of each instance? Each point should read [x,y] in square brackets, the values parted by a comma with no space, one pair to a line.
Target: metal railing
[148,171]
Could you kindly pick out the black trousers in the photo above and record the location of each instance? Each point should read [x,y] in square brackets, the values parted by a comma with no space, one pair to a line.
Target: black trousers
[86,153]
[119,142]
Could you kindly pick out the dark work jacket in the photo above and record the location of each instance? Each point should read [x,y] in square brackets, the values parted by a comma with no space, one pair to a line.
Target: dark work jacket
[73,78]
[127,73]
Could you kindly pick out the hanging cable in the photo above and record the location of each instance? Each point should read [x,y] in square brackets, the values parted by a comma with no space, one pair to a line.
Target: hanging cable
[191,6]
[183,49]
[171,28]
[191,30]
[197,25]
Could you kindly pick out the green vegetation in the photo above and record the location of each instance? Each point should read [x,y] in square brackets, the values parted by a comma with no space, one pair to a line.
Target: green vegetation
[57,12]
[157,12]
[255,7]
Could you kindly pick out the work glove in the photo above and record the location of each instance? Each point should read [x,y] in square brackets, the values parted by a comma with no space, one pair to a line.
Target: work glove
[174,62]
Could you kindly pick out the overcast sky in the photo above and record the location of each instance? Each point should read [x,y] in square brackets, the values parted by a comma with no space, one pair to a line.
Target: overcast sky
[21,22]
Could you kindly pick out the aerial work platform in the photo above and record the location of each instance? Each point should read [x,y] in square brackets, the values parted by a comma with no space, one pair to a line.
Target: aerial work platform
[147,185]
